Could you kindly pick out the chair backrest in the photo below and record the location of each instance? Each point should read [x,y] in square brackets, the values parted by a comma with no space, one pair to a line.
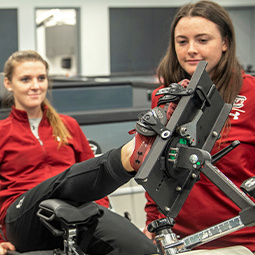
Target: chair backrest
[95,147]
[2,88]
[4,113]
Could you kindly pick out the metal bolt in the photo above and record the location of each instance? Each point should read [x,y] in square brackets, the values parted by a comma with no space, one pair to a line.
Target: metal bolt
[167,208]
[146,117]
[178,188]
[214,134]
[165,134]
[194,176]
[183,130]
[193,158]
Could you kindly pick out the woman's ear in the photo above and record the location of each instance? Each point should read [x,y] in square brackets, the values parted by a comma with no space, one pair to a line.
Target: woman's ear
[7,84]
[225,44]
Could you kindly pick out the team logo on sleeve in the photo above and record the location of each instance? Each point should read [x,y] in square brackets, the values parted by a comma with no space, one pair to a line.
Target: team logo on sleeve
[237,107]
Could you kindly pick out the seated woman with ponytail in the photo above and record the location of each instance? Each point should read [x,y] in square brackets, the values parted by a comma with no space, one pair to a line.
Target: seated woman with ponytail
[38,148]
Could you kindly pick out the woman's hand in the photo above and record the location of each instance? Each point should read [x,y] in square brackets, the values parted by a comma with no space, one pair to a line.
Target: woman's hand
[5,246]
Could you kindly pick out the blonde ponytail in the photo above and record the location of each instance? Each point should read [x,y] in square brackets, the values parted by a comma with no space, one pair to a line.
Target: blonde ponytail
[60,132]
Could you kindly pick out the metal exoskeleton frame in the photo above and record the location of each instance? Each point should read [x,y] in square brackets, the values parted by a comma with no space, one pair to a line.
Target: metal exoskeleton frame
[173,165]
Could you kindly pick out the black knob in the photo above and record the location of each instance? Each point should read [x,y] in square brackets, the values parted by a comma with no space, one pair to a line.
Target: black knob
[160,224]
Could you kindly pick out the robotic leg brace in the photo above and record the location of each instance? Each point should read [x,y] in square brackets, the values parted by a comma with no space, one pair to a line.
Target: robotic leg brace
[178,156]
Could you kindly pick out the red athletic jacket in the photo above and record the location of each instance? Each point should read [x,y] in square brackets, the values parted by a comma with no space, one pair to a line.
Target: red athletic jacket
[24,163]
[206,205]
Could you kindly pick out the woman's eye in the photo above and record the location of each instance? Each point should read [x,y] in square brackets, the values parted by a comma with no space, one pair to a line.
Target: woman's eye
[182,42]
[42,78]
[25,79]
[203,40]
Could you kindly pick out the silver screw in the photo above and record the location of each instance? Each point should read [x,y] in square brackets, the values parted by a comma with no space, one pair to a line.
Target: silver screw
[178,188]
[183,130]
[193,158]
[214,134]
[167,208]
[194,176]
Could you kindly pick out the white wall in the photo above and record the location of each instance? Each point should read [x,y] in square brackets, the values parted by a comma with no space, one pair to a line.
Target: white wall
[95,46]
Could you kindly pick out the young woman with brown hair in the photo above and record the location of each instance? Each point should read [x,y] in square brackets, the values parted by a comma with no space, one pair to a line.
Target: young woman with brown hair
[204,31]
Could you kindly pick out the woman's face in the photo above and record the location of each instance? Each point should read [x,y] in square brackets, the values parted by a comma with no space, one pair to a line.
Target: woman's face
[29,85]
[197,39]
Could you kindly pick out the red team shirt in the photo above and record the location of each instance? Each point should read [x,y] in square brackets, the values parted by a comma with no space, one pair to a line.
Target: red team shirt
[24,162]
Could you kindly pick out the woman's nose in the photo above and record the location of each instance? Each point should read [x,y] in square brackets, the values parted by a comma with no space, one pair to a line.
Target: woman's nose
[35,84]
[192,48]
